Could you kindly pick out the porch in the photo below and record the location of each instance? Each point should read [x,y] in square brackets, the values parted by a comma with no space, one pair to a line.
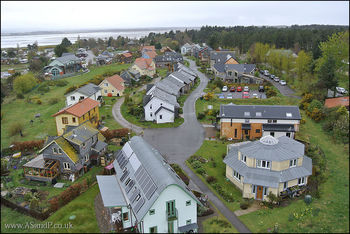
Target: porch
[41,169]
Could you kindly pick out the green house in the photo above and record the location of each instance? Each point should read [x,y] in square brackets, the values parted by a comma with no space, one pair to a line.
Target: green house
[67,64]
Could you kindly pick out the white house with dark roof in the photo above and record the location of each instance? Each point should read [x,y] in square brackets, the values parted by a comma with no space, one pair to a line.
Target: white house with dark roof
[87,91]
[160,106]
[255,121]
[267,165]
[146,193]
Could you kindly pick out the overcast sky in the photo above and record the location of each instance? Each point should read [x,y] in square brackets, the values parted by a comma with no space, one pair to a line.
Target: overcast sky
[32,16]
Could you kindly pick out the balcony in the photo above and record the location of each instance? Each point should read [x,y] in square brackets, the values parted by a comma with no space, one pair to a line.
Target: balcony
[171,216]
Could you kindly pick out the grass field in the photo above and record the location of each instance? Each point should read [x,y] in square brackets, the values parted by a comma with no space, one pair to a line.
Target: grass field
[333,205]
[18,67]
[19,111]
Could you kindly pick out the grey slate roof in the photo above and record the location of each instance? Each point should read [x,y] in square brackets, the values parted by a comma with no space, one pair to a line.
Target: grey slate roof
[143,158]
[267,112]
[168,86]
[186,69]
[162,95]
[68,58]
[285,149]
[146,99]
[215,55]
[220,67]
[265,177]
[148,87]
[80,134]
[181,76]
[278,127]
[162,107]
[241,68]
[100,145]
[110,191]
[88,89]
[169,57]
[174,81]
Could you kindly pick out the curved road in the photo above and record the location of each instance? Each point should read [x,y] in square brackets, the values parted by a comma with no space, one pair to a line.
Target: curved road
[177,144]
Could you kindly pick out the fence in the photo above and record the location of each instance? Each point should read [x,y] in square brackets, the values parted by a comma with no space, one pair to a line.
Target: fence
[35,214]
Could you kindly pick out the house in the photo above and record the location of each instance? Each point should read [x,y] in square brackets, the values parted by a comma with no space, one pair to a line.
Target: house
[168,59]
[166,49]
[267,165]
[130,76]
[204,54]
[160,106]
[74,115]
[146,193]
[112,86]
[126,57]
[67,156]
[87,91]
[226,57]
[235,73]
[65,65]
[148,52]
[185,78]
[185,49]
[146,67]
[81,52]
[103,59]
[255,121]
[337,102]
[167,86]
[181,67]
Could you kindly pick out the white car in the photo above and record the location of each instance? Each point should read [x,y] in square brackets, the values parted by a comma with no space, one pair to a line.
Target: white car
[276,79]
[341,90]
[246,89]
[283,82]
[224,89]
[255,95]
[229,96]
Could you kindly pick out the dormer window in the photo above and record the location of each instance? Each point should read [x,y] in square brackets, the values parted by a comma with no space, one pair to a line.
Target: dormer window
[293,163]
[246,113]
[262,164]
[289,115]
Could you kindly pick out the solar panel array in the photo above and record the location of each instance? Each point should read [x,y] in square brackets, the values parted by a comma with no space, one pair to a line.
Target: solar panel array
[125,174]
[147,185]
[139,204]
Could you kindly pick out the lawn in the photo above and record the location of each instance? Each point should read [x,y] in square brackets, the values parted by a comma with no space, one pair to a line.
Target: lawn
[215,150]
[333,205]
[9,216]
[18,67]
[20,111]
[106,111]
[162,72]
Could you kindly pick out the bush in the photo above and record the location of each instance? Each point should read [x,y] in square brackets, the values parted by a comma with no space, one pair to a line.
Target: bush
[271,93]
[70,89]
[24,83]
[244,205]
[200,115]
[273,199]
[53,101]
[200,171]
[196,165]
[44,88]
[211,179]
[38,102]
[19,96]
[28,145]
[16,128]
[61,83]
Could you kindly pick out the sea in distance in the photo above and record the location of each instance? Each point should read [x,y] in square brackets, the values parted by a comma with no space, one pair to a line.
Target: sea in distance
[10,40]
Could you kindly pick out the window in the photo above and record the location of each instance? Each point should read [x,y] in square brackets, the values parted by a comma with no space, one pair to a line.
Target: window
[170,208]
[81,98]
[105,90]
[188,203]
[66,166]
[54,150]
[84,145]
[289,115]
[272,134]
[106,84]
[59,151]
[269,120]
[263,164]
[138,197]
[126,216]
[274,121]
[253,189]
[235,132]
[301,181]
[258,114]
[230,73]
[188,221]
[160,116]
[246,131]
[64,120]
[83,117]
[112,90]
[86,157]
[153,229]
[246,113]
[244,159]
[237,175]
[265,191]
[73,119]
[288,134]
[257,130]
[150,114]
[72,98]
[231,122]
[285,184]
[292,163]
[236,74]
[127,181]
[152,212]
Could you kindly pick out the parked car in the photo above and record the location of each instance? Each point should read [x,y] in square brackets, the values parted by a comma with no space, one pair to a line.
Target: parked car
[266,73]
[246,89]
[277,79]
[272,76]
[261,88]
[229,96]
[221,96]
[224,89]
[261,72]
[255,95]
[283,82]
[341,90]
[245,95]
[232,89]
[239,89]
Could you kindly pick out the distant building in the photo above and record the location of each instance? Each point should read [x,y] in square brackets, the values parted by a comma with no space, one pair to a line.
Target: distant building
[112,86]
[65,65]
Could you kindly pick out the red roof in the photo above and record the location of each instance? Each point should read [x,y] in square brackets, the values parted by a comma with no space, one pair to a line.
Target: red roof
[152,48]
[127,55]
[151,54]
[339,101]
[116,81]
[144,63]
[80,108]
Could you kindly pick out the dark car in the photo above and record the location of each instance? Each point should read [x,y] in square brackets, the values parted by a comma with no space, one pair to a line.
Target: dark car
[261,88]
[232,89]
[239,89]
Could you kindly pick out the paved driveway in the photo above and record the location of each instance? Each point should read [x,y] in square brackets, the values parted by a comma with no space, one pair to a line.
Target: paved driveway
[236,95]
[90,57]
[284,89]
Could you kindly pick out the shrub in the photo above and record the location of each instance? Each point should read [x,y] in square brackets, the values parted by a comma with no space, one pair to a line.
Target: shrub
[60,83]
[302,121]
[211,179]
[244,205]
[19,96]
[15,128]
[28,145]
[271,93]
[196,165]
[54,204]
[38,102]
[24,83]
[70,89]
[314,104]
[53,101]
[273,199]
[200,115]
[44,88]
[200,171]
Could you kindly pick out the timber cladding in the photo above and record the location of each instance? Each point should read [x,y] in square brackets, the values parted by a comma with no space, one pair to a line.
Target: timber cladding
[234,130]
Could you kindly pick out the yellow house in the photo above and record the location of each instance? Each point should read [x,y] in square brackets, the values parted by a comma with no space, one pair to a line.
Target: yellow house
[112,86]
[86,109]
[268,165]
[146,67]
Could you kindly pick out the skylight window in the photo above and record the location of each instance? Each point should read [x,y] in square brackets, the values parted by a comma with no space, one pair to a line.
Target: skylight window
[258,114]
[289,114]
[246,113]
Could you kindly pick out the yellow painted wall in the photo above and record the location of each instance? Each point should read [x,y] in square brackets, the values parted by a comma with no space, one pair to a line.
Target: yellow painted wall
[60,126]
[145,72]
[300,162]
[247,191]
[279,166]
[229,175]
[109,89]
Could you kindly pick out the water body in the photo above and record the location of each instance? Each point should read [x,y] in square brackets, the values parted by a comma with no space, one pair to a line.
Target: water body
[8,41]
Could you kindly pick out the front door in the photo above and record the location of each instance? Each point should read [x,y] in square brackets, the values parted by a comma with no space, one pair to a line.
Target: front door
[171,227]
[259,192]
